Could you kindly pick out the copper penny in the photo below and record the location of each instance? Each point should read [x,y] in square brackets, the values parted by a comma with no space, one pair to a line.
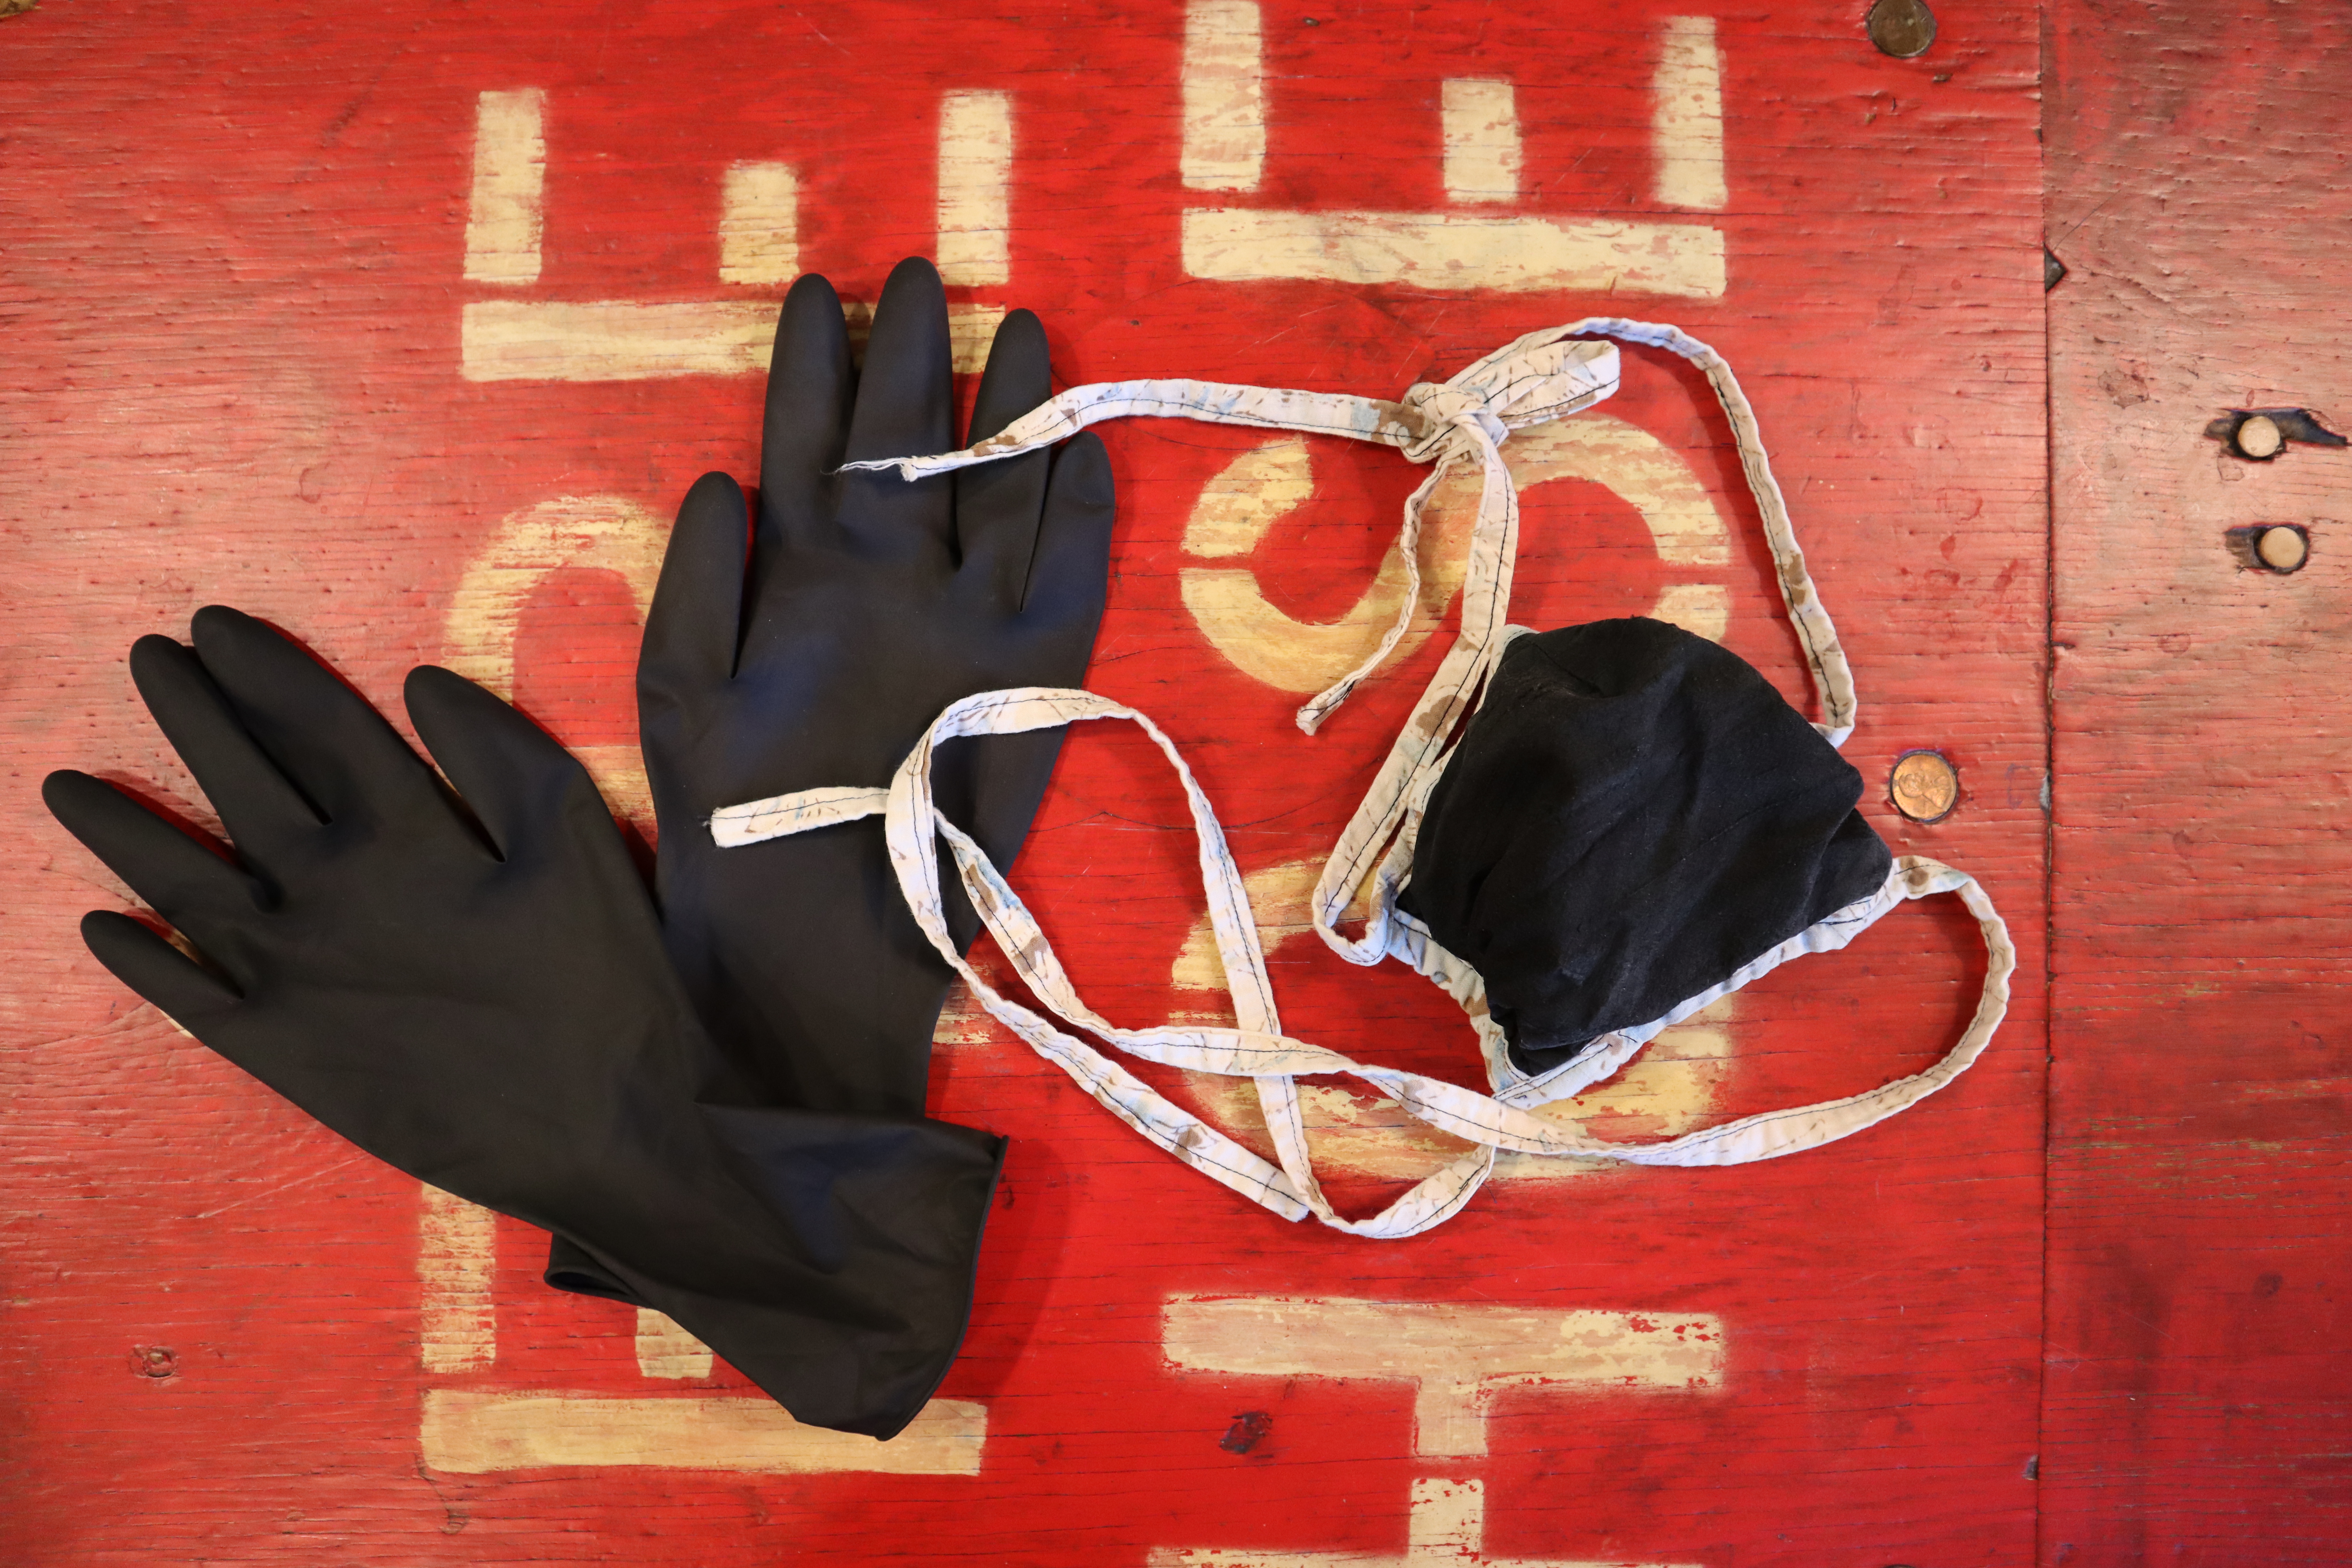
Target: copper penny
[1924,786]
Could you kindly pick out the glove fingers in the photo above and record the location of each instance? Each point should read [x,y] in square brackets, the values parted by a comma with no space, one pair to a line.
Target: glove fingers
[1072,572]
[998,505]
[188,993]
[322,735]
[810,386]
[695,624]
[173,874]
[517,781]
[256,804]
[905,408]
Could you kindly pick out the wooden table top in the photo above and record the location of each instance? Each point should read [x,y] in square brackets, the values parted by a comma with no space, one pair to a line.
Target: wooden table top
[406,328]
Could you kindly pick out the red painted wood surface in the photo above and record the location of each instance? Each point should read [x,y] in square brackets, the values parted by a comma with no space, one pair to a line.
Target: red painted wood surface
[232,296]
[2196,1366]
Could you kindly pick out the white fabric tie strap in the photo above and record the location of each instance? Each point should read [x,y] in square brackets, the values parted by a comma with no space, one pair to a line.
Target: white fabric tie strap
[1256,1048]
[1535,379]
[1541,376]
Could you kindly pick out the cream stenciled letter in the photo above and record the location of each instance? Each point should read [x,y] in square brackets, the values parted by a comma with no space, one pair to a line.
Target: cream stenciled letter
[457,1259]
[1254,491]
[1482,140]
[609,533]
[540,339]
[1457,1356]
[975,239]
[1226,113]
[1686,124]
[1224,96]
[758,224]
[502,231]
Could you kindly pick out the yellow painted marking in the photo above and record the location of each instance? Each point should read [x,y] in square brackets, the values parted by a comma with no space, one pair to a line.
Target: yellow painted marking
[1686,124]
[1703,608]
[1455,251]
[759,224]
[471,1432]
[457,1258]
[975,185]
[1481,126]
[629,340]
[665,1350]
[1448,1518]
[1280,896]
[1458,1356]
[1655,480]
[1233,514]
[609,533]
[1445,1527]
[502,228]
[613,339]
[1248,496]
[1224,96]
[962,1020]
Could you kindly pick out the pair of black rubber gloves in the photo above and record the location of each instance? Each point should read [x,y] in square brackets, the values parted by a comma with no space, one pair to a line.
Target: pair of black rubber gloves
[716,1105]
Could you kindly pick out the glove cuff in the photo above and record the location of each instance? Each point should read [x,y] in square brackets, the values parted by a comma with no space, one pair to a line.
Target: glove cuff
[850,1279]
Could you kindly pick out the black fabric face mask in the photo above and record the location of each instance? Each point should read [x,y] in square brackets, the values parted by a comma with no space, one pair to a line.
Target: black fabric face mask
[1633,815]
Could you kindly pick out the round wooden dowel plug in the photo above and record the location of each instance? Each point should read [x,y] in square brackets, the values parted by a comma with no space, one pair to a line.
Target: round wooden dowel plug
[2258,437]
[2283,548]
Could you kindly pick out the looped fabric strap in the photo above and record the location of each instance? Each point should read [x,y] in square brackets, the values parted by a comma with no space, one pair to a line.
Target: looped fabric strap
[1256,1048]
[1541,376]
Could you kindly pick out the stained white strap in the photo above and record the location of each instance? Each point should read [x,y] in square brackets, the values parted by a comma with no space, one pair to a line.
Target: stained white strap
[1534,379]
[1256,1048]
[784,814]
[1540,376]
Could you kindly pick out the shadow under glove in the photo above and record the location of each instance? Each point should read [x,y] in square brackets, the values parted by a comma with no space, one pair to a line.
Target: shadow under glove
[484,1002]
[1632,815]
[864,605]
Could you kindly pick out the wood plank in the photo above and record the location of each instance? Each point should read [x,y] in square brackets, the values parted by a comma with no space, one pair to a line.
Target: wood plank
[2196,1361]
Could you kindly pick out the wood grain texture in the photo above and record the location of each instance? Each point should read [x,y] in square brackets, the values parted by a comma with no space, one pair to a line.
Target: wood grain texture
[2196,1361]
[233,298]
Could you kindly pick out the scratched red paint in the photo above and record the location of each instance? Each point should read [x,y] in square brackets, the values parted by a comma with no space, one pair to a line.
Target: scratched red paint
[2197,1343]
[232,298]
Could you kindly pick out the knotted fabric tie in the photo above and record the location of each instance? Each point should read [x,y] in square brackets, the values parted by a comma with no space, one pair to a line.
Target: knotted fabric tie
[1540,377]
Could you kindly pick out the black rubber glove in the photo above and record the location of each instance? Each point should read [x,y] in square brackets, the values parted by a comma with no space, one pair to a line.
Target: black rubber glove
[485,1002]
[866,606]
